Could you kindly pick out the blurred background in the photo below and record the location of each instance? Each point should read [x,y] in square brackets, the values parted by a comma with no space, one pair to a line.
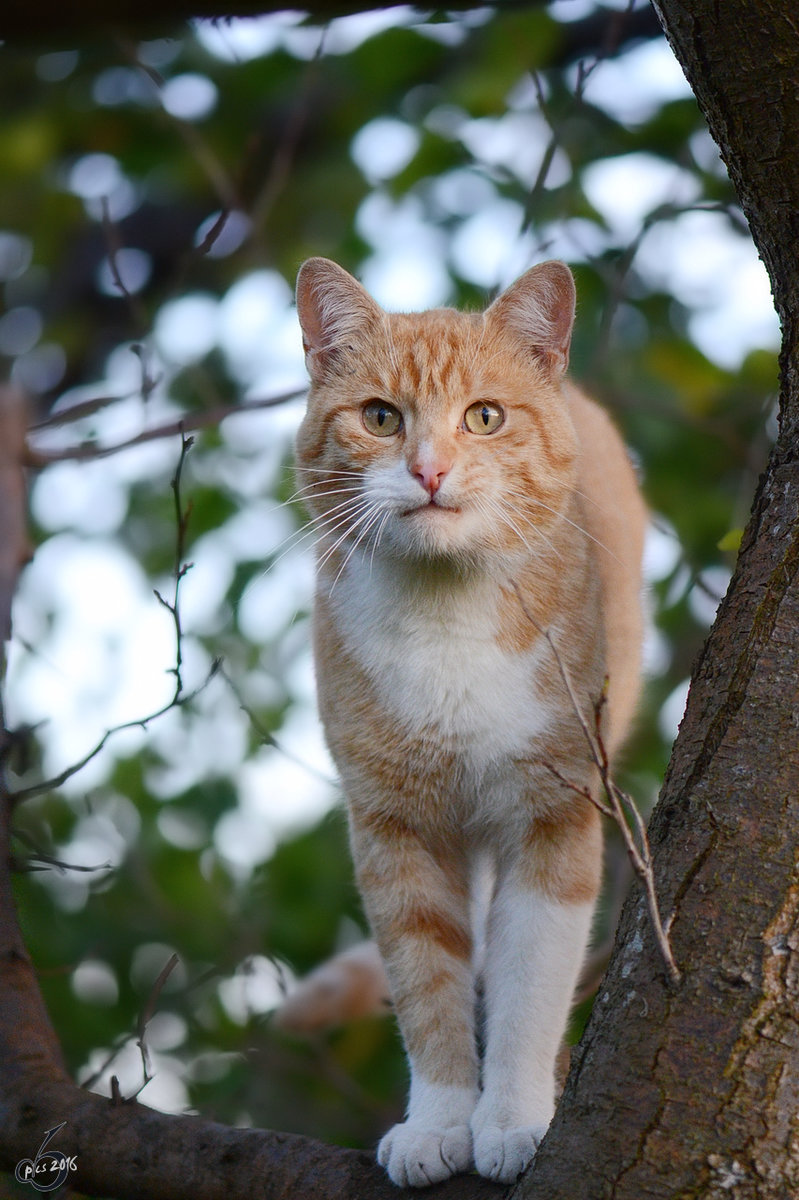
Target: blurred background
[156,198]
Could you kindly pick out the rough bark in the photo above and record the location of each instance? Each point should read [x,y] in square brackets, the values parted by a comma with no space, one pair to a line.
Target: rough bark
[14,545]
[133,1153]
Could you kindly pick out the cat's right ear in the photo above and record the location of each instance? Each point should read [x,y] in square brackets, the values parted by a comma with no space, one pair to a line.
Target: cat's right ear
[539,309]
[333,309]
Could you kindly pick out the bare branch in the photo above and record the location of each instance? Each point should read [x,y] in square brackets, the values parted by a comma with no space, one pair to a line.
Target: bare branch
[619,803]
[266,736]
[57,781]
[147,1015]
[181,567]
[14,544]
[286,149]
[114,246]
[606,43]
[77,412]
[88,451]
[179,697]
[40,860]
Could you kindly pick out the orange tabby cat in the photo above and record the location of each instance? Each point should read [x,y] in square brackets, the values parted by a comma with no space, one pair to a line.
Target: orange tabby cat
[467,502]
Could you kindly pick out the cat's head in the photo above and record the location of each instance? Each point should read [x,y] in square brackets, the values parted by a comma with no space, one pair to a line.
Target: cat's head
[436,435]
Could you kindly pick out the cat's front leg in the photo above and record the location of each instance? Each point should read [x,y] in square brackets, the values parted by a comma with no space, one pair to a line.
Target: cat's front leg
[417,904]
[538,928]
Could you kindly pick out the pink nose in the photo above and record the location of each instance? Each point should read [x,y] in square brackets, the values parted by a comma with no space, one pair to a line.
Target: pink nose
[430,474]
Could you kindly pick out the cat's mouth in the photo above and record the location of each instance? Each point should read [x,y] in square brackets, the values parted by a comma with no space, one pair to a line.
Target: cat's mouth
[432,506]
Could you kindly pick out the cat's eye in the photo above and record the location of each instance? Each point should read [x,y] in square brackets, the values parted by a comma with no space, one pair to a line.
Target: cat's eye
[483,417]
[381,418]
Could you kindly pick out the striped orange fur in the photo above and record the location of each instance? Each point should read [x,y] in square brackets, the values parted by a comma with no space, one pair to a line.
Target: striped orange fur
[479,533]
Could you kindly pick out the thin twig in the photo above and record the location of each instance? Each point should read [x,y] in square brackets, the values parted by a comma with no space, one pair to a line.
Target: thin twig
[287,145]
[88,451]
[57,781]
[547,159]
[266,736]
[199,147]
[40,860]
[77,412]
[619,803]
[585,69]
[119,1044]
[114,246]
[610,44]
[182,568]
[147,1015]
[124,1039]
[178,698]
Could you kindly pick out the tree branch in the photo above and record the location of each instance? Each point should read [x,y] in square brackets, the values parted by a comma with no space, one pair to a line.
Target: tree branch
[15,547]
[88,451]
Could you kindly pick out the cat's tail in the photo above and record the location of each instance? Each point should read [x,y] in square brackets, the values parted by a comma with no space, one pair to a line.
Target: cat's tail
[350,985]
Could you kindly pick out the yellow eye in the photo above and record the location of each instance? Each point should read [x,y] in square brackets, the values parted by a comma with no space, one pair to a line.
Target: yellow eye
[381,419]
[483,417]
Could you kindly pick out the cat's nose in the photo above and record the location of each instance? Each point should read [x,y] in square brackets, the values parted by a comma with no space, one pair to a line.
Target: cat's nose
[431,474]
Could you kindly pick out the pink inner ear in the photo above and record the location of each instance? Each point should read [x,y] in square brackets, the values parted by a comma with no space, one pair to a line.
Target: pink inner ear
[539,307]
[310,305]
[332,306]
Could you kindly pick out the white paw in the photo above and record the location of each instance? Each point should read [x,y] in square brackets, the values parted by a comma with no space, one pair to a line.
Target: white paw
[502,1154]
[416,1156]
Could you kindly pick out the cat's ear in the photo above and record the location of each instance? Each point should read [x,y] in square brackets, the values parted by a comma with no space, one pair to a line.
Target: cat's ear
[333,309]
[539,308]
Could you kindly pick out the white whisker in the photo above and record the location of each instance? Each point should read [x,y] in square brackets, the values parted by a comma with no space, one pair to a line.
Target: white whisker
[300,497]
[377,537]
[500,509]
[364,515]
[325,470]
[348,522]
[561,516]
[375,515]
[530,524]
[313,527]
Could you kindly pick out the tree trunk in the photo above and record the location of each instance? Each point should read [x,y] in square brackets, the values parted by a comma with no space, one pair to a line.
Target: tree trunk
[694,1091]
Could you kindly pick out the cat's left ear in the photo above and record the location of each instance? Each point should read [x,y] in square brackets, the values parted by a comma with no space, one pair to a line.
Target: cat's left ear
[334,311]
[539,308]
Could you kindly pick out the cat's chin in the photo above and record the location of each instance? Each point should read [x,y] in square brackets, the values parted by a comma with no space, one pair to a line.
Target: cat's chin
[432,529]
[437,536]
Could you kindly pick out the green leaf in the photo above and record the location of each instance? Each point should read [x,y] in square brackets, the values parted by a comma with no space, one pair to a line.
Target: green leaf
[731,542]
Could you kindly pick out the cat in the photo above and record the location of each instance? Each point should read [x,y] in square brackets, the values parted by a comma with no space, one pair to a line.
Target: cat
[479,537]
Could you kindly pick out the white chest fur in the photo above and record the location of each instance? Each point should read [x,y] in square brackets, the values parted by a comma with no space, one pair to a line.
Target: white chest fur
[433,653]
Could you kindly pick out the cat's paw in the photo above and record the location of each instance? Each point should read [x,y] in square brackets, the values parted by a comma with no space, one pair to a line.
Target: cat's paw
[502,1154]
[416,1156]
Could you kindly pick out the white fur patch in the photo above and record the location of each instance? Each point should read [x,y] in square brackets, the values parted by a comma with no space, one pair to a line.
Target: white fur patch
[435,661]
[435,1141]
[533,955]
